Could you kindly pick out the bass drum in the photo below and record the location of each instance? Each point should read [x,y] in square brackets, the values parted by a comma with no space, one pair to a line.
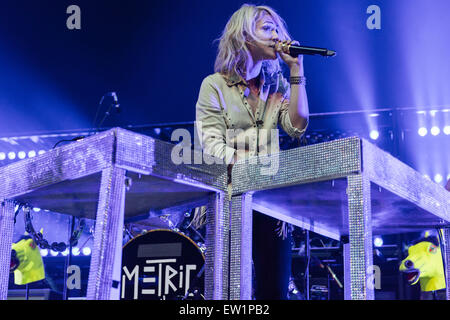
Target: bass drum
[162,265]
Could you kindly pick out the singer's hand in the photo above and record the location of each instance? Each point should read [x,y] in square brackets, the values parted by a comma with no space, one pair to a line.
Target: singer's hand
[294,64]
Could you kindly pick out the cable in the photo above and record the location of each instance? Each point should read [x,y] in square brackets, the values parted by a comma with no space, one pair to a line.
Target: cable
[68,140]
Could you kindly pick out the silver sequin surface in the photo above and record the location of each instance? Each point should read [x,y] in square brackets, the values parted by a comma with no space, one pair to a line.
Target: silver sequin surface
[109,176]
[342,188]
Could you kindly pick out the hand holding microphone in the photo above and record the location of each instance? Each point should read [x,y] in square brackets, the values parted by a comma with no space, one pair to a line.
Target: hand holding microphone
[294,49]
[294,62]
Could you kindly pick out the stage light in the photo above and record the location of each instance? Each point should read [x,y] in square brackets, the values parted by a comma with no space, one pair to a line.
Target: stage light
[422,131]
[435,131]
[378,241]
[86,251]
[65,252]
[36,209]
[21,154]
[11,155]
[31,154]
[41,152]
[426,176]
[438,178]
[374,134]
[76,251]
[44,252]
[53,253]
[447,130]
[2,156]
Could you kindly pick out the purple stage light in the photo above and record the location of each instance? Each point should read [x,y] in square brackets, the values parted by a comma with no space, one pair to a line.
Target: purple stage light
[2,156]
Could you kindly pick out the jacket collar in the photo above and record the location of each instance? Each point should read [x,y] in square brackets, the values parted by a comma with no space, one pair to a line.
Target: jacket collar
[234,79]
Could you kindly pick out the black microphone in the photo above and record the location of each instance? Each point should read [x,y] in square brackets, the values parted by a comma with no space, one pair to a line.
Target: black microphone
[295,50]
[115,101]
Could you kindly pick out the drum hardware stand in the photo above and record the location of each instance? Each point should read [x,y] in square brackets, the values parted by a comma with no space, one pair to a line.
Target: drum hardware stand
[68,262]
[27,292]
[192,290]
[330,271]
[308,260]
[443,246]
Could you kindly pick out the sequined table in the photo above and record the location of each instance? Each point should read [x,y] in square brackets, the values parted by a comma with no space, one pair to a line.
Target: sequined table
[113,176]
[346,189]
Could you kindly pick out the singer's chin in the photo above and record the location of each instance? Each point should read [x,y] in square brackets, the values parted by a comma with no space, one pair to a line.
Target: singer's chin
[271,55]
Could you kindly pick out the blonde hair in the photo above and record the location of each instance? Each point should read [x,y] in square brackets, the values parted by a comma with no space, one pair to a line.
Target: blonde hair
[233,52]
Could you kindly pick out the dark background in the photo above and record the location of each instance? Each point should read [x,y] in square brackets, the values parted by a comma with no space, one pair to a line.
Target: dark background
[154,54]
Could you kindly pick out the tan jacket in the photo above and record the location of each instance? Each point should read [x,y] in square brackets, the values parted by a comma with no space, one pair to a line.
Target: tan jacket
[226,123]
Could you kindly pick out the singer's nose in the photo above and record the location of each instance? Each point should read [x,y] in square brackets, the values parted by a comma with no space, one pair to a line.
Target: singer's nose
[274,35]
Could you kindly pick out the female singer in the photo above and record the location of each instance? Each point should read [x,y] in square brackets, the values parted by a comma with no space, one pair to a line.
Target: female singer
[240,106]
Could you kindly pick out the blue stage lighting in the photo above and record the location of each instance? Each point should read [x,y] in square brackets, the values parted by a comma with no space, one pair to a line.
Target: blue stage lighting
[2,156]
[422,131]
[447,130]
[378,241]
[374,134]
[438,178]
[54,253]
[435,131]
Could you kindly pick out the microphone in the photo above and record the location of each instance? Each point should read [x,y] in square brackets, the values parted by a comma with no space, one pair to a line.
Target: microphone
[115,101]
[295,50]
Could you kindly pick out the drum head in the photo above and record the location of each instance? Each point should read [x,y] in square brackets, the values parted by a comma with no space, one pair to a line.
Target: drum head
[162,265]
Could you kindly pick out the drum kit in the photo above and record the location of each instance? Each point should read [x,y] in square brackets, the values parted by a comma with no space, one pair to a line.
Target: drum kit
[163,259]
